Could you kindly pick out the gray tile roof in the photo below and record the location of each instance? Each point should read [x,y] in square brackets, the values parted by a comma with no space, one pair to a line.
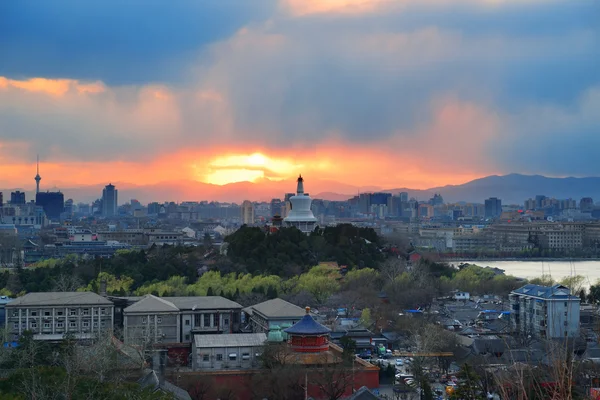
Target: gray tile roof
[278,308]
[558,292]
[203,302]
[230,340]
[150,303]
[59,299]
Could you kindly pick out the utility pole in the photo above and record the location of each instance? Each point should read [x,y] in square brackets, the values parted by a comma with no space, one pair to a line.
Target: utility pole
[305,385]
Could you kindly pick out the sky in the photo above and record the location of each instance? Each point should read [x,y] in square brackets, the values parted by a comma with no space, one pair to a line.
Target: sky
[386,93]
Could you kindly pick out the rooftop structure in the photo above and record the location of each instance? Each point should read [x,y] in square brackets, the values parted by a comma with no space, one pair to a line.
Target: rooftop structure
[301,215]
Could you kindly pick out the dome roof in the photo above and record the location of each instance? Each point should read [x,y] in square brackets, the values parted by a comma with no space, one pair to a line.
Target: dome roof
[307,326]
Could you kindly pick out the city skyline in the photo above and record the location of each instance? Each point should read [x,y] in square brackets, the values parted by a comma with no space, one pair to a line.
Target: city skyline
[365,93]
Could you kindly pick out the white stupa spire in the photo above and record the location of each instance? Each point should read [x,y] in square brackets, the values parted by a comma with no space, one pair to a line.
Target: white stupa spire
[301,215]
[300,188]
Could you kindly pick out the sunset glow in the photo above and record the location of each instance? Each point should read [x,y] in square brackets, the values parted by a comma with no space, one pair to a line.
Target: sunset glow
[352,94]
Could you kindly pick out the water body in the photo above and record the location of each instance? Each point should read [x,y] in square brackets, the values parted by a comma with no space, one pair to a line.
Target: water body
[557,269]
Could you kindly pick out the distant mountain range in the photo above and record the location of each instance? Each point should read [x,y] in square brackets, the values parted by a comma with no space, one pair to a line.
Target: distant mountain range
[512,189]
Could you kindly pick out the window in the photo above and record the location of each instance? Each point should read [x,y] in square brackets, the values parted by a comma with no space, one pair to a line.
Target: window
[47,313]
[103,311]
[566,304]
[566,323]
[16,325]
[159,320]
[86,324]
[95,324]
[207,319]
[205,357]
[72,311]
[232,356]
[33,313]
[219,357]
[566,313]
[34,325]
[245,356]
[72,324]
[15,313]
[59,313]
[187,322]
[144,320]
[60,324]
[187,337]
[103,323]
[226,321]
[86,311]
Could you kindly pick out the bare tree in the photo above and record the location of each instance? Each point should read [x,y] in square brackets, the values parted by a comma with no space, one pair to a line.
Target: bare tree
[66,283]
[201,388]
[334,378]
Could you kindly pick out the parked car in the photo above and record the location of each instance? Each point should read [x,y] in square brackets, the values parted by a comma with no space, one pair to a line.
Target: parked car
[399,362]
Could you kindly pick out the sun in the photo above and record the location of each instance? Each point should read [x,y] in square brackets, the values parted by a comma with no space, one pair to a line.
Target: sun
[232,168]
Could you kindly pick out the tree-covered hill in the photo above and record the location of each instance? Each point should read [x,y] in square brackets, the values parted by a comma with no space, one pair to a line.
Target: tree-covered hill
[279,252]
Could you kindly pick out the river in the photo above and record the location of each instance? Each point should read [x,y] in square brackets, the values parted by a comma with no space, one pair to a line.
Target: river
[557,269]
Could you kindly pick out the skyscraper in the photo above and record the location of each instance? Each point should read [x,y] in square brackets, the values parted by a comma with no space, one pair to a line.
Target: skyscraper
[493,207]
[52,202]
[109,200]
[247,212]
[17,197]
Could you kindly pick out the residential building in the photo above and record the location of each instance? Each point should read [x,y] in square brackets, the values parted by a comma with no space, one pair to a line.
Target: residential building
[247,213]
[232,351]
[179,319]
[545,312]
[109,201]
[51,315]
[275,313]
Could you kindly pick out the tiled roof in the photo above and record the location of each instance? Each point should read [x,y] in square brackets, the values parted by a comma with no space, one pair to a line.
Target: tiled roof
[150,303]
[277,308]
[59,299]
[307,326]
[230,340]
[203,302]
[545,292]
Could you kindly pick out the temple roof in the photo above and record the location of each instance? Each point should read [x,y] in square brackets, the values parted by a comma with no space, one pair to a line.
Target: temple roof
[307,326]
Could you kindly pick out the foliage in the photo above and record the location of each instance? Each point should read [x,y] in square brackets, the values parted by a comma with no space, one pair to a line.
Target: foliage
[469,387]
[114,285]
[262,252]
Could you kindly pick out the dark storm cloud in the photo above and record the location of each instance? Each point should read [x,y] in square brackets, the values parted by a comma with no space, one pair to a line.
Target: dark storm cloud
[116,41]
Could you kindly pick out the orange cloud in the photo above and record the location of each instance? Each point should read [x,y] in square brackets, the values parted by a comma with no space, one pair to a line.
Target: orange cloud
[55,87]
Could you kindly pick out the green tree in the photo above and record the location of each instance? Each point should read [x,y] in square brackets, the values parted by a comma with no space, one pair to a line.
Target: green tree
[210,292]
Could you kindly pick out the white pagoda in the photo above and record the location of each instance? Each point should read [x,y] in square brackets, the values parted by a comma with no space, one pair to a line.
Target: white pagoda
[300,215]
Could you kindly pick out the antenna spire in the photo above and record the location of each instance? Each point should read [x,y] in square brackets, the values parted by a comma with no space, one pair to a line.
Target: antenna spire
[37,178]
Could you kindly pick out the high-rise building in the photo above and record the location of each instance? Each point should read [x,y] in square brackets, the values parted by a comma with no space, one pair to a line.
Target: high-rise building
[539,200]
[275,207]
[586,204]
[17,197]
[53,203]
[247,212]
[1,199]
[109,201]
[403,197]
[493,207]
